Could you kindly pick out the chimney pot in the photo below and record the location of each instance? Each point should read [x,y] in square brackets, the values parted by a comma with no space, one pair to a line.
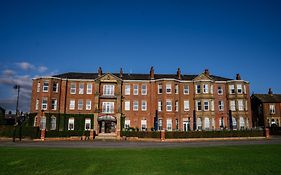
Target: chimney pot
[152,72]
[238,77]
[270,91]
[179,73]
[207,72]
[100,71]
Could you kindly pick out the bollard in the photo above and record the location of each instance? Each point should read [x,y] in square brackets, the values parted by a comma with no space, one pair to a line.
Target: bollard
[163,135]
[267,133]
[43,134]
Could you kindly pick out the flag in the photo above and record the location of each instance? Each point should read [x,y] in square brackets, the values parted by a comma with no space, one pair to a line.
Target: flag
[194,120]
[230,120]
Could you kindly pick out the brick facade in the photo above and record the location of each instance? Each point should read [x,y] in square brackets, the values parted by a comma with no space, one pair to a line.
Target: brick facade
[138,98]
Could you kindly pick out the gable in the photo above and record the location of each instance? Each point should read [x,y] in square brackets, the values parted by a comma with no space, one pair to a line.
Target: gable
[203,77]
[109,78]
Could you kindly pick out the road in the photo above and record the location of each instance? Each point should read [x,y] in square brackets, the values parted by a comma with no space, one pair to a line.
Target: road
[129,144]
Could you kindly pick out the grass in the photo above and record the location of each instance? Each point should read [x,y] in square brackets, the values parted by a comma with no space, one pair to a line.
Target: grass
[258,159]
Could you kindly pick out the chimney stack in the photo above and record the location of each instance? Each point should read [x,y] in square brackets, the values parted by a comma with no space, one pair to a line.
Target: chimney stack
[270,91]
[179,73]
[100,71]
[207,72]
[121,72]
[238,77]
[151,72]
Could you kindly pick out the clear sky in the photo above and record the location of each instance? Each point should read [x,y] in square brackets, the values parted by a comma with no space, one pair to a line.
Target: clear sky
[48,37]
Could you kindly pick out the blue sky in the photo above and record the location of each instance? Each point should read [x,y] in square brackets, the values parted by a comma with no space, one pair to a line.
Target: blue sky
[48,37]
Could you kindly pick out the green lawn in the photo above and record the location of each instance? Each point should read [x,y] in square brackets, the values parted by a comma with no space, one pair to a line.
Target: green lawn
[263,159]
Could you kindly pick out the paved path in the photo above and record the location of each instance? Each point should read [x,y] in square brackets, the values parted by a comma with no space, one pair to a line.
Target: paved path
[127,144]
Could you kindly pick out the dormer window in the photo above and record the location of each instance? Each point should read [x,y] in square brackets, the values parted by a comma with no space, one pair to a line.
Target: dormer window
[108,90]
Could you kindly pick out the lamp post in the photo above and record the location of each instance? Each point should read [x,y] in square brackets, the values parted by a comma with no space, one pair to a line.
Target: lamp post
[17,112]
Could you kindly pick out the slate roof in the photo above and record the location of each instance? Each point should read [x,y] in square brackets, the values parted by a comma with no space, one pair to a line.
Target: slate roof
[268,98]
[126,76]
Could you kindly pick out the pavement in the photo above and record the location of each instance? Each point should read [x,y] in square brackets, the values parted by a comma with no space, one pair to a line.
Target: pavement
[135,144]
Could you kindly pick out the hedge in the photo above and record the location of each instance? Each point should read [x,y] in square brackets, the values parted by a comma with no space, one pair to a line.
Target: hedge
[275,130]
[195,134]
[55,133]
[215,134]
[141,134]
[27,131]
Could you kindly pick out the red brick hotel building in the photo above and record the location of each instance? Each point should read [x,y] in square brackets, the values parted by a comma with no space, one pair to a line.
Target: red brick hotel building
[114,101]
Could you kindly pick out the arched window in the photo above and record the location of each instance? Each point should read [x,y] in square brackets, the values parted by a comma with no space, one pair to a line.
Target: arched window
[199,123]
[242,123]
[87,124]
[35,121]
[53,123]
[43,122]
[207,123]
[234,123]
[71,124]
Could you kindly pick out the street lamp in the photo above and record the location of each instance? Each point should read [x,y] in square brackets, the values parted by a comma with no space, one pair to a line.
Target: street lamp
[17,112]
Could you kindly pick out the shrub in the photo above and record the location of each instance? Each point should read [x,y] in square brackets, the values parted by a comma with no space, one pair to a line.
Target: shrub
[27,131]
[141,134]
[55,133]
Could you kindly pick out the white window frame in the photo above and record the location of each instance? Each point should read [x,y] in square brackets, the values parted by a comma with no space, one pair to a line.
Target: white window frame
[168,88]
[221,105]
[212,105]
[80,105]
[143,105]
[197,88]
[56,86]
[53,123]
[186,89]
[127,123]
[231,89]
[199,123]
[160,88]
[208,105]
[72,88]
[242,122]
[37,104]
[88,105]
[45,86]
[71,104]
[135,105]
[169,106]
[205,88]
[245,89]
[212,89]
[169,125]
[207,123]
[186,105]
[176,105]
[108,107]
[127,89]
[89,88]
[220,90]
[197,102]
[176,89]
[144,125]
[232,105]
[127,105]
[38,86]
[272,108]
[240,105]
[143,89]
[239,89]
[81,88]
[87,124]
[160,106]
[108,89]
[54,104]
[71,124]
[136,89]
[44,105]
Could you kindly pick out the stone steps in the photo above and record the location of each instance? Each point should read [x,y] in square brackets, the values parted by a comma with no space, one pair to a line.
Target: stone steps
[106,136]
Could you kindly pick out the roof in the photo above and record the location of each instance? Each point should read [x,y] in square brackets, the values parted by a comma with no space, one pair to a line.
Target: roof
[129,76]
[268,98]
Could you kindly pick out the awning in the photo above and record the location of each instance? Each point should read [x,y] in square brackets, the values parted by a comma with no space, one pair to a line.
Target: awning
[107,118]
